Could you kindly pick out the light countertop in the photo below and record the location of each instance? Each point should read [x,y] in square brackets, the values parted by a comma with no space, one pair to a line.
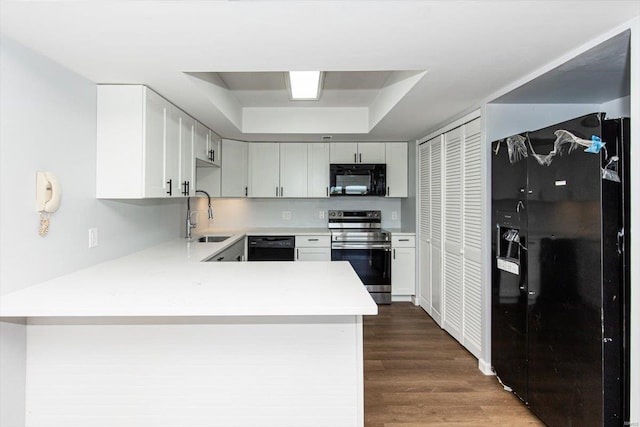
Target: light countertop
[170,280]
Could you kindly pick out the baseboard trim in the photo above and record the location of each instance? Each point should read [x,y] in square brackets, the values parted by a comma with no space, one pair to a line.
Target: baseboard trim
[485,367]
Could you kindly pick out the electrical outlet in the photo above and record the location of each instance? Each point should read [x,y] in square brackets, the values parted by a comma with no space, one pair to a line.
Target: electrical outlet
[394,215]
[321,214]
[286,215]
[93,237]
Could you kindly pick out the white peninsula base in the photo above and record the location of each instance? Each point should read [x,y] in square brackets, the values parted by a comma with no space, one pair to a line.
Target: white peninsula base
[195,371]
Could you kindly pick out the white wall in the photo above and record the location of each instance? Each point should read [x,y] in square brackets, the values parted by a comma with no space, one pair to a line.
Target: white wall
[233,213]
[48,122]
[504,120]
[509,119]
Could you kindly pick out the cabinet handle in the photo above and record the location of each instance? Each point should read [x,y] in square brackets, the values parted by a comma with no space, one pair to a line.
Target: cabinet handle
[220,259]
[188,187]
[213,155]
[403,240]
[169,184]
[327,191]
[297,254]
[394,254]
[281,191]
[246,191]
[276,191]
[388,191]
[360,157]
[312,240]
[355,158]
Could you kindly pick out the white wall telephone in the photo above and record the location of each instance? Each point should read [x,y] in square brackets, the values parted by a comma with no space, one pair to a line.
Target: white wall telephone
[48,192]
[48,196]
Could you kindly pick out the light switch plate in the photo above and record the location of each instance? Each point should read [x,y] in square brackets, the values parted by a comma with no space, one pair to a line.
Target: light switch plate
[321,214]
[394,215]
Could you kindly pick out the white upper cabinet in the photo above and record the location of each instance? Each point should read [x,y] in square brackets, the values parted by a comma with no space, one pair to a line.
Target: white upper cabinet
[187,158]
[371,152]
[357,152]
[155,112]
[318,169]
[138,151]
[264,169]
[172,150]
[201,142]
[344,152]
[213,148]
[234,168]
[397,169]
[293,170]
[277,170]
[206,146]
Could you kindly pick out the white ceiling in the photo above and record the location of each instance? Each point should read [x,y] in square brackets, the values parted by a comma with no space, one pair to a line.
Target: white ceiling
[395,69]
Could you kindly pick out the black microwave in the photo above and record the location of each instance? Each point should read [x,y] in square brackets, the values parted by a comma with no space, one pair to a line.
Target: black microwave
[358,179]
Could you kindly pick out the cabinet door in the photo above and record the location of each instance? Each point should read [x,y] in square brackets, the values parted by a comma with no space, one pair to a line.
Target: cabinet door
[313,254]
[453,232]
[201,142]
[187,159]
[344,152]
[403,274]
[293,170]
[397,163]
[172,151]
[318,170]
[264,170]
[154,168]
[371,152]
[213,148]
[234,168]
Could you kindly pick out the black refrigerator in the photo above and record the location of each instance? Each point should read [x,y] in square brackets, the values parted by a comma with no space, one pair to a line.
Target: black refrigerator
[560,276]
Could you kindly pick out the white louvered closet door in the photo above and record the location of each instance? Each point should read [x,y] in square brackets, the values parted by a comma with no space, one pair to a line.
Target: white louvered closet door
[453,232]
[435,180]
[425,225]
[472,238]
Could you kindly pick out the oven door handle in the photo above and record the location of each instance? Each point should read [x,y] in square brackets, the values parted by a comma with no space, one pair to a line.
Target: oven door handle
[386,247]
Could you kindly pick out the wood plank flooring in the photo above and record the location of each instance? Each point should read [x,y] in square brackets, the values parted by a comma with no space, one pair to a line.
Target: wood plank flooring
[417,375]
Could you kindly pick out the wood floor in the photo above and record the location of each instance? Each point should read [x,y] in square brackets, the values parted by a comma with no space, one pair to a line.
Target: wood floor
[417,375]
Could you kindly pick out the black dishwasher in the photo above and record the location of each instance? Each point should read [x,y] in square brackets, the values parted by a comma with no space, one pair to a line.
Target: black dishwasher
[271,248]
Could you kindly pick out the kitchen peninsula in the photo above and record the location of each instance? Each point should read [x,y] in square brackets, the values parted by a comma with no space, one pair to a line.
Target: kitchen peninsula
[160,338]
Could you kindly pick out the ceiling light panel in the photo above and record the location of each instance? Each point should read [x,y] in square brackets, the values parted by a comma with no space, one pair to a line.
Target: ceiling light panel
[304,85]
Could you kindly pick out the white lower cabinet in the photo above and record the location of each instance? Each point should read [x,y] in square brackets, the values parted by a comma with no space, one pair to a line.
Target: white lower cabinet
[403,265]
[313,248]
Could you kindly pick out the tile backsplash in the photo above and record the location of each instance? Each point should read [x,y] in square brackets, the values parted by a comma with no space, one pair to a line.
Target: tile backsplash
[232,213]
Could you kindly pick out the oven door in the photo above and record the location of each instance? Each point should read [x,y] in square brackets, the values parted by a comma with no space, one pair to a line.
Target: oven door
[372,263]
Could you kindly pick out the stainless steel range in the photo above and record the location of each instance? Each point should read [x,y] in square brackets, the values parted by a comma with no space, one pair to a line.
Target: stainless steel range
[357,237]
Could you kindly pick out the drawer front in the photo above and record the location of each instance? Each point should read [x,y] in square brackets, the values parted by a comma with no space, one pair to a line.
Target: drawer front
[313,254]
[403,241]
[313,241]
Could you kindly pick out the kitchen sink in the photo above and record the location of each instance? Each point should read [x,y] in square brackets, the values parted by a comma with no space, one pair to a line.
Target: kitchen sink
[212,239]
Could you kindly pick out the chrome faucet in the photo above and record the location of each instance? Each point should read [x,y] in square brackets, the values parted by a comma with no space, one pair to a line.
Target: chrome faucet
[189,223]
